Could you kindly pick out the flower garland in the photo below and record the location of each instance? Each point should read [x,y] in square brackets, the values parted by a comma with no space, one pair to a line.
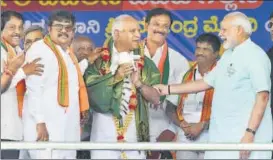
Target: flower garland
[121,128]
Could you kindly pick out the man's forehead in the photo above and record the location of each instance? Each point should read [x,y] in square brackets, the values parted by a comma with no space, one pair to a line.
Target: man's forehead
[160,17]
[85,43]
[203,44]
[34,33]
[14,20]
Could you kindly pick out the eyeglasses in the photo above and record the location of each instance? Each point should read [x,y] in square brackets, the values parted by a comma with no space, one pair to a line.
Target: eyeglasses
[59,27]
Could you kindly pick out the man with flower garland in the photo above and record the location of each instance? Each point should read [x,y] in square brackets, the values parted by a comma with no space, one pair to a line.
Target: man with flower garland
[172,66]
[119,86]
[57,100]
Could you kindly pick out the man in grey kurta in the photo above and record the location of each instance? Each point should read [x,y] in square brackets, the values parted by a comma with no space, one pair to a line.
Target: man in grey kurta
[241,81]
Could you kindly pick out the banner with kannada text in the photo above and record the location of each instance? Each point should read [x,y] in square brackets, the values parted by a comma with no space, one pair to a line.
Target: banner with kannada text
[191,17]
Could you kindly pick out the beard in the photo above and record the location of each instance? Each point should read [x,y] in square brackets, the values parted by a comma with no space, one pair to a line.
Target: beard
[229,44]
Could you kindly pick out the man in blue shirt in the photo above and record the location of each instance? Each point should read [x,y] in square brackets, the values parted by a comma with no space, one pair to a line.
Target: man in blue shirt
[241,82]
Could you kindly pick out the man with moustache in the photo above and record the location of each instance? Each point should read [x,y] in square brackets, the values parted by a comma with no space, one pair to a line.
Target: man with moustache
[192,114]
[172,66]
[119,87]
[56,101]
[12,99]
[241,92]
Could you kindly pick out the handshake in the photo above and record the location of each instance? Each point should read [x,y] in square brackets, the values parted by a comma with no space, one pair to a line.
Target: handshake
[162,89]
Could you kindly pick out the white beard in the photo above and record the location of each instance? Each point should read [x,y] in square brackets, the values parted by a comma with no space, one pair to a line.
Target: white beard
[228,45]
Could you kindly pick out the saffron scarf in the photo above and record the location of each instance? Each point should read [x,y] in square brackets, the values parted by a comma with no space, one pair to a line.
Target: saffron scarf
[63,87]
[207,101]
[21,85]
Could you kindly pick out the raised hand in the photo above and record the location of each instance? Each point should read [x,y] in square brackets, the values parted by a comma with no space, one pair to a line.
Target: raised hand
[95,54]
[15,63]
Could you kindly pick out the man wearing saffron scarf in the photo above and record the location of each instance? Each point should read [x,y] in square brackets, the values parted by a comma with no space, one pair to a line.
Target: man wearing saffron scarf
[241,81]
[172,66]
[55,102]
[192,114]
[11,100]
[119,86]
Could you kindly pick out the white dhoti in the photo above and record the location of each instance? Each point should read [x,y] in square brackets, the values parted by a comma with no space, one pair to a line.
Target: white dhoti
[104,130]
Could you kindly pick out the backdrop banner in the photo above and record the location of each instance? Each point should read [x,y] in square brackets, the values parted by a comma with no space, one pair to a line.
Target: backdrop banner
[190,17]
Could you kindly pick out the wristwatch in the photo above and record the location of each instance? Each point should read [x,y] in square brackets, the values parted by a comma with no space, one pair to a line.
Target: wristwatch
[251,131]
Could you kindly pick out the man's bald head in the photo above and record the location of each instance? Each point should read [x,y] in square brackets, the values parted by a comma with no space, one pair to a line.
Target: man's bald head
[126,32]
[120,21]
[82,46]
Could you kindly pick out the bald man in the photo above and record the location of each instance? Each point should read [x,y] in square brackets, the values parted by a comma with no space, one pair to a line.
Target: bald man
[85,51]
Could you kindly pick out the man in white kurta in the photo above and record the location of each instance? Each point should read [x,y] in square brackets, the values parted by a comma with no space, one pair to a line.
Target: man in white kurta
[41,103]
[158,22]
[192,115]
[11,125]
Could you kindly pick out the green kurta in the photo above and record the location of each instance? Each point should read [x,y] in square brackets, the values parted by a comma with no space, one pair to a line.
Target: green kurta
[105,94]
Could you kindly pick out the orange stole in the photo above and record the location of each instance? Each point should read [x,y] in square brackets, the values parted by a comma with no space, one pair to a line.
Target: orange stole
[207,101]
[63,88]
[21,85]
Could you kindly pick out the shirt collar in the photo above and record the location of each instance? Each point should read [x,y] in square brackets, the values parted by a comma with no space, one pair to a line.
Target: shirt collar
[158,51]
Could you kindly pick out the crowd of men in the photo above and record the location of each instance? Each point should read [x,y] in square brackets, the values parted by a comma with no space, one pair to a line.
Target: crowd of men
[62,88]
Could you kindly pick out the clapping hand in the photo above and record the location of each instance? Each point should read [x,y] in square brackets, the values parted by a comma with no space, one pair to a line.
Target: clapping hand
[15,63]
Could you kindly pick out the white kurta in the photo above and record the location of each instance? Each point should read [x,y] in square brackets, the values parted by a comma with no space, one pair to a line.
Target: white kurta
[11,124]
[83,65]
[41,105]
[178,67]
[104,130]
[239,75]
[192,112]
